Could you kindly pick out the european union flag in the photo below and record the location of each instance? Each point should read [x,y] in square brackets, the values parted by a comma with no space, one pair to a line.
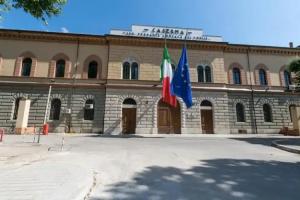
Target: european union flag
[181,84]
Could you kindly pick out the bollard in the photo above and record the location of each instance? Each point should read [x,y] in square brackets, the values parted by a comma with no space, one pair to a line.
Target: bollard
[45,129]
[1,134]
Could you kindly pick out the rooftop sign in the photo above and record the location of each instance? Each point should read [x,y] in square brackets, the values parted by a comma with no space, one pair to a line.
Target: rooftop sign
[167,32]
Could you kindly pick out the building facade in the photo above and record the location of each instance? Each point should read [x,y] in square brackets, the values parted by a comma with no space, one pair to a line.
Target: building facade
[111,84]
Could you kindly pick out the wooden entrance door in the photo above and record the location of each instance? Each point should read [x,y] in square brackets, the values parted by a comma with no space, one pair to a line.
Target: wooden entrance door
[128,120]
[207,124]
[169,120]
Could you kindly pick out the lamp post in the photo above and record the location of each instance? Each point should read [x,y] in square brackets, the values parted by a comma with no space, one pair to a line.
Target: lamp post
[47,107]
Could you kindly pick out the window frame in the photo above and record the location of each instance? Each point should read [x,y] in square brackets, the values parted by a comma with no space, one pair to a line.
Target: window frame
[200,73]
[270,113]
[206,75]
[57,65]
[23,65]
[88,70]
[123,69]
[130,75]
[52,116]
[236,70]
[262,77]
[287,78]
[136,65]
[240,113]
[89,114]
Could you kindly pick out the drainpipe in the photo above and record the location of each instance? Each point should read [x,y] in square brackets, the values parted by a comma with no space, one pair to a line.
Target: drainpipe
[252,105]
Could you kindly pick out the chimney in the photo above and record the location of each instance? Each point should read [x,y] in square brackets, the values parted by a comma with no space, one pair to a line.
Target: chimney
[291,45]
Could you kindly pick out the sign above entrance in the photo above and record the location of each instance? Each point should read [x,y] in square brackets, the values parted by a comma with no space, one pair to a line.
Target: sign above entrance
[167,32]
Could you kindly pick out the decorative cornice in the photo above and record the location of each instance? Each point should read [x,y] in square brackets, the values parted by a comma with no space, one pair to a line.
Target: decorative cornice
[63,82]
[153,42]
[144,42]
[7,81]
[51,37]
[254,49]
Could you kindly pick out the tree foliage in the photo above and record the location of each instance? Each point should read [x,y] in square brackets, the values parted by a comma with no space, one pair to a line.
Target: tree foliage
[294,67]
[40,9]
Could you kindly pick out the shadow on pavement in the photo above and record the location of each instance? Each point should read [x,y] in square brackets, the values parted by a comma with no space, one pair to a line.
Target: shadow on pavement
[267,141]
[218,179]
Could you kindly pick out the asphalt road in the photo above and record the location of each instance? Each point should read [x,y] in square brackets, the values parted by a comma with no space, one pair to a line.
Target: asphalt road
[174,168]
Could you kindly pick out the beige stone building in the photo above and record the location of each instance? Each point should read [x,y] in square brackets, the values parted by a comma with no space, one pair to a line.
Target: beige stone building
[111,84]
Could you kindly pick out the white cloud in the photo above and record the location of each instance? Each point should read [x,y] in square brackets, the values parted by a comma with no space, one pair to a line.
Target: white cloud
[64,30]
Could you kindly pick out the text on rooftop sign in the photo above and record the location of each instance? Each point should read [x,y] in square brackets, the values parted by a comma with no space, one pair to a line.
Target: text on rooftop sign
[168,33]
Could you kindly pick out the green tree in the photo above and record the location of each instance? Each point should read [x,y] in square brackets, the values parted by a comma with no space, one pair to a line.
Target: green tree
[294,67]
[40,9]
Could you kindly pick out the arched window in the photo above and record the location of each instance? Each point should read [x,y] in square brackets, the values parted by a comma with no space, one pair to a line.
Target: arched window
[129,101]
[60,69]
[207,74]
[287,78]
[263,77]
[26,67]
[240,112]
[206,103]
[126,70]
[55,109]
[134,71]
[200,71]
[16,108]
[204,74]
[89,109]
[93,69]
[267,113]
[130,71]
[236,74]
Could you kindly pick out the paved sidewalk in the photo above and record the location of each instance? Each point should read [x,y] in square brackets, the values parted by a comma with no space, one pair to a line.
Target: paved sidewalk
[29,171]
[19,150]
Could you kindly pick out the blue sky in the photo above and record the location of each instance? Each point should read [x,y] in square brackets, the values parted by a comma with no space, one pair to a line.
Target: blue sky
[262,22]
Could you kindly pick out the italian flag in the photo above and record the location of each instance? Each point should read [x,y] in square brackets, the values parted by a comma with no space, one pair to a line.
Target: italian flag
[166,76]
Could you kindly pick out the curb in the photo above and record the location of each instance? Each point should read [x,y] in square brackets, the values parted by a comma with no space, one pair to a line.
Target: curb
[284,148]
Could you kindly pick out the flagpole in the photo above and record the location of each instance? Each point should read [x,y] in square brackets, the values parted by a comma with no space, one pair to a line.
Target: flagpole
[185,39]
[165,37]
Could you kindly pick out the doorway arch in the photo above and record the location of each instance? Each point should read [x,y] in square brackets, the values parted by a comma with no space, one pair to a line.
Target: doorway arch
[168,118]
[129,116]
[207,120]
